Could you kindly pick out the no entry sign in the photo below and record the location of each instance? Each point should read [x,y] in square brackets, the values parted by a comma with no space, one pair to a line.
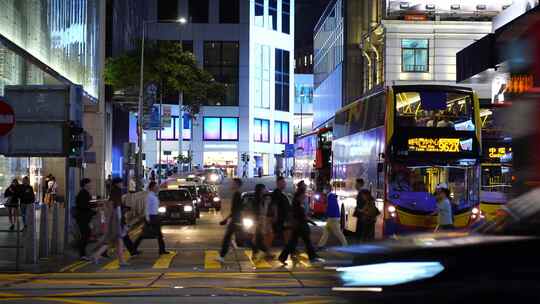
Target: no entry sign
[7,118]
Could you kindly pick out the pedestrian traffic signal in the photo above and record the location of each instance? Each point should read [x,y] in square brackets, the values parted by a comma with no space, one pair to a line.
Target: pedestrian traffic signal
[75,135]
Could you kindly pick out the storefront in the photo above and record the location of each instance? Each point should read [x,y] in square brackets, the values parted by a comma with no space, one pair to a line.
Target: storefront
[227,160]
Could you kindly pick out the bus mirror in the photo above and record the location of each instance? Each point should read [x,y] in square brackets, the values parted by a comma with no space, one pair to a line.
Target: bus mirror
[380,167]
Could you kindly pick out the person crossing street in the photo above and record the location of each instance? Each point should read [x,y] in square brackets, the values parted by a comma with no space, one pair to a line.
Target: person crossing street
[152,227]
[300,229]
[333,219]
[233,220]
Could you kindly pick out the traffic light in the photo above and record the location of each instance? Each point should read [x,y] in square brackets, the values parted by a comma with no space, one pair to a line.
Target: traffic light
[75,140]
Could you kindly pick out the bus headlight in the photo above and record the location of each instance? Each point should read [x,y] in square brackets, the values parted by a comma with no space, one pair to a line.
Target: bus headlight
[475,211]
[162,210]
[391,209]
[216,199]
[247,223]
[317,197]
[188,208]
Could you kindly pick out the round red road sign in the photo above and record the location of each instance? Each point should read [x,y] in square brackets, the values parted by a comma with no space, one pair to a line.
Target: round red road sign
[7,118]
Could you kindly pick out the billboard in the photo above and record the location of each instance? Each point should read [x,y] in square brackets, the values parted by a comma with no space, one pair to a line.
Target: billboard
[453,9]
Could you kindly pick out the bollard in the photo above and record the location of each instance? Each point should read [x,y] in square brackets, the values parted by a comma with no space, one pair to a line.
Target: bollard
[30,235]
[44,232]
[54,235]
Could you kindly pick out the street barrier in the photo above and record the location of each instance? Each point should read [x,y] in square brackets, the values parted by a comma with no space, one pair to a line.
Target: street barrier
[55,238]
[30,235]
[44,231]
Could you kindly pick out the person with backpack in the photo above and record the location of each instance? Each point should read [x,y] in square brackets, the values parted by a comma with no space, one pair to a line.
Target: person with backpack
[369,214]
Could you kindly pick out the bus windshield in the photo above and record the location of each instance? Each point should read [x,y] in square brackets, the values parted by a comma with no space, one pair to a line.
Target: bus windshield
[435,109]
[412,188]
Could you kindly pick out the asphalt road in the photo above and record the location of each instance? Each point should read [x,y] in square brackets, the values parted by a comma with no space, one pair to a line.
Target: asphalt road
[189,274]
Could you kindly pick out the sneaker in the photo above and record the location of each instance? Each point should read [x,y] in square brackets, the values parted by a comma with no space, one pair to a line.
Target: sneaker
[317,260]
[85,258]
[12,227]
[283,262]
[220,259]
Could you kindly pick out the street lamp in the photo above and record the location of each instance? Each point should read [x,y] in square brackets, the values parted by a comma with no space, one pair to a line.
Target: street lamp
[181,20]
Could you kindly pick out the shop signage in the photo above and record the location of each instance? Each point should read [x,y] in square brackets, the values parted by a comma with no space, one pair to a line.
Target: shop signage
[444,145]
[166,116]
[498,152]
[519,83]
[7,118]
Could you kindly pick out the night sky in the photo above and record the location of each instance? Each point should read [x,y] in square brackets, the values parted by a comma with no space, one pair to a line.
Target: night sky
[307,15]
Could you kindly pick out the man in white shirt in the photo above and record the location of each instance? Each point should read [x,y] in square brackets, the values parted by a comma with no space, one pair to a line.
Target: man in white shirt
[152,227]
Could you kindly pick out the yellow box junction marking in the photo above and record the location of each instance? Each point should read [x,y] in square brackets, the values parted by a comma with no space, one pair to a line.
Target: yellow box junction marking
[116,263]
[210,257]
[164,260]
[260,263]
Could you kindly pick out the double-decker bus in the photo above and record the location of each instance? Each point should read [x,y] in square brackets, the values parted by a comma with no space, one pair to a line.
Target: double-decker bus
[404,141]
[496,163]
[313,165]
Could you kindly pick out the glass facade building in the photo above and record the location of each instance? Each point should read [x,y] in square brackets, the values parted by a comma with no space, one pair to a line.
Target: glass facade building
[47,42]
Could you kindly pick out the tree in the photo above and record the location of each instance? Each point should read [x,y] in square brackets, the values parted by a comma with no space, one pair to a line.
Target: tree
[168,66]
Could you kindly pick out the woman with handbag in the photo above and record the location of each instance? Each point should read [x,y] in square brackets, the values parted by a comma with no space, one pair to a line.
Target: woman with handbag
[12,202]
[116,230]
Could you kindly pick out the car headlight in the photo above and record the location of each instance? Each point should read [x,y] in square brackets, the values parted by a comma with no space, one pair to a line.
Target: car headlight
[162,210]
[194,201]
[188,208]
[216,199]
[391,209]
[247,223]
[213,177]
[475,210]
[316,197]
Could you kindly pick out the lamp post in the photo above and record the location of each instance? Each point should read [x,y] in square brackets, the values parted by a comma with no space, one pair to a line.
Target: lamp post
[138,168]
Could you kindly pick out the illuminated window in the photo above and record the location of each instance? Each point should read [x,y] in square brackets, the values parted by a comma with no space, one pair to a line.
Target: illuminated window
[262,130]
[220,128]
[414,55]
[281,132]
[172,131]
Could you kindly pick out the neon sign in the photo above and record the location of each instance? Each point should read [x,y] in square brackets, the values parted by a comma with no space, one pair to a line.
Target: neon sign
[445,145]
[498,152]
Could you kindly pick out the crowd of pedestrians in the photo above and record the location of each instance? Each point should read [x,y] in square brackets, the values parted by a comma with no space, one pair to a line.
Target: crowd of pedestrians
[17,197]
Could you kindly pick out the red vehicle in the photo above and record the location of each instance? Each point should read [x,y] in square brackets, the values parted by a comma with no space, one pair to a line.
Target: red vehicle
[209,197]
[313,165]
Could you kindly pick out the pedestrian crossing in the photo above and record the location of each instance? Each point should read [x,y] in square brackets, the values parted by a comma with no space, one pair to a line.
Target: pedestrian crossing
[203,260]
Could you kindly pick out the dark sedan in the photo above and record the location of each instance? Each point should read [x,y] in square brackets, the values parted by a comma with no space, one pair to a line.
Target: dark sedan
[496,263]
[177,205]
[209,197]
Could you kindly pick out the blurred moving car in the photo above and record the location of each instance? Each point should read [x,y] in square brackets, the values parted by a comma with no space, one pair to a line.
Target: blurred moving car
[213,176]
[209,197]
[495,263]
[193,189]
[177,205]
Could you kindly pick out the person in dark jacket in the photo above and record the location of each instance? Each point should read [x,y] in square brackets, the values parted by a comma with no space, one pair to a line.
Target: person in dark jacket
[281,205]
[360,203]
[369,216]
[83,216]
[232,221]
[258,208]
[12,202]
[300,229]
[26,196]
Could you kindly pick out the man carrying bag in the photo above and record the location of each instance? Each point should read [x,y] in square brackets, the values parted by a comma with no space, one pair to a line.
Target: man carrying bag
[152,226]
